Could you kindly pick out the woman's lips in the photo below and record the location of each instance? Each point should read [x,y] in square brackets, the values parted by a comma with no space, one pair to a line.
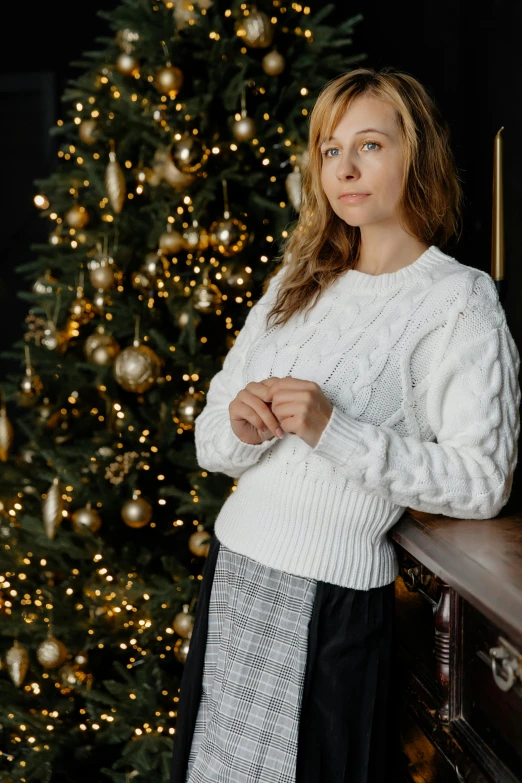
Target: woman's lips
[354,199]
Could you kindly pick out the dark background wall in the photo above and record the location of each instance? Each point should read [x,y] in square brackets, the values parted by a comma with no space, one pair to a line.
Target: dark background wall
[467,55]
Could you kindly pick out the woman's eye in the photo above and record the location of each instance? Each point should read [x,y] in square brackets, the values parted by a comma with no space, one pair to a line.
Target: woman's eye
[335,149]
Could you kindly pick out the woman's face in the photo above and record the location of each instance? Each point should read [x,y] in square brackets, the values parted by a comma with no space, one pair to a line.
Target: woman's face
[368,162]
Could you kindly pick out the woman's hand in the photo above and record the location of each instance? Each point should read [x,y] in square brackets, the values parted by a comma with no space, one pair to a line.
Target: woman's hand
[300,406]
[251,417]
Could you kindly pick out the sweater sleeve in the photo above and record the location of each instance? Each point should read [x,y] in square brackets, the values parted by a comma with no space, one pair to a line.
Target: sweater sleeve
[473,404]
[218,449]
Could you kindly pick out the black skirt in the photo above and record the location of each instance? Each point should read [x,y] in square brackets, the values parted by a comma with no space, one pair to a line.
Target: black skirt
[337,686]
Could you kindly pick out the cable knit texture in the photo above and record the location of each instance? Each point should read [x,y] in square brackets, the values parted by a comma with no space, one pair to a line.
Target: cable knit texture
[422,372]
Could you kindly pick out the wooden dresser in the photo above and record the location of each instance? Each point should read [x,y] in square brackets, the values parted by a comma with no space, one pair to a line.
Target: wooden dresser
[459,649]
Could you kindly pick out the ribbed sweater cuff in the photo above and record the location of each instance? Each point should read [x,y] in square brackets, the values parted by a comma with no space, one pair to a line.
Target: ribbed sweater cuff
[241,453]
[342,439]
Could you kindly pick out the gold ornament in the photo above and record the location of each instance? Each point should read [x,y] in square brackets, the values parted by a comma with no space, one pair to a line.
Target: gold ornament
[47,414]
[189,154]
[55,237]
[137,368]
[81,658]
[6,434]
[199,542]
[86,519]
[244,129]
[228,235]
[51,652]
[127,64]
[44,284]
[169,80]
[136,512]
[81,309]
[171,241]
[165,168]
[154,265]
[185,13]
[273,63]
[189,407]
[195,237]
[102,273]
[30,386]
[183,623]
[127,39]
[293,184]
[181,648]
[115,183]
[52,337]
[256,30]
[17,660]
[52,508]
[74,677]
[77,216]
[101,348]
[207,297]
[88,131]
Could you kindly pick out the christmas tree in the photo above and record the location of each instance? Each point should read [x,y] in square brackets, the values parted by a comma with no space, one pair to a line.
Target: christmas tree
[178,175]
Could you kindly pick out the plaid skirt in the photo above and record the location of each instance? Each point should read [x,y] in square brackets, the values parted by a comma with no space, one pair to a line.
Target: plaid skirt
[287,680]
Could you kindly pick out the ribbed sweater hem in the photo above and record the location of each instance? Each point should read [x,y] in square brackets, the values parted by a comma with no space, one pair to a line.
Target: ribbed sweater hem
[311,528]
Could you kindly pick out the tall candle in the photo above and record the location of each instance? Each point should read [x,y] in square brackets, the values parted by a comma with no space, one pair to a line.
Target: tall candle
[497,227]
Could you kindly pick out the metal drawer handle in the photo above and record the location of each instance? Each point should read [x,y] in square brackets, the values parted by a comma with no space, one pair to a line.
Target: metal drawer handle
[505,664]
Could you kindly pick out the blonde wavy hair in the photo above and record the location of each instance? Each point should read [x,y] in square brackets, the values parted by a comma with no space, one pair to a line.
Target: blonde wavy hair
[321,245]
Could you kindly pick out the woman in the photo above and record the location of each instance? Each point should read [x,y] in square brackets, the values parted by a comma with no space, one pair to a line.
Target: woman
[396,388]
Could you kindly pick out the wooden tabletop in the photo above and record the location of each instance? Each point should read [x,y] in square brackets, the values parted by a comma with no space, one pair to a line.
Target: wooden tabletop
[480,558]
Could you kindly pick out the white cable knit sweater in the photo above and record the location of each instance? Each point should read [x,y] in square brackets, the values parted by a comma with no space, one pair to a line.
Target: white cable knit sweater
[422,371]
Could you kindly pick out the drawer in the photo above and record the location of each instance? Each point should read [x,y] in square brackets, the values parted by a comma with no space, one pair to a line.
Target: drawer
[494,713]
[416,596]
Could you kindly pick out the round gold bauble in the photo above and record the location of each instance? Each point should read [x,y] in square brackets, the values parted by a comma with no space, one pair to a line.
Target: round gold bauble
[273,63]
[154,265]
[188,408]
[6,435]
[195,237]
[29,388]
[206,298]
[52,508]
[181,648]
[101,348]
[44,284]
[17,661]
[77,216]
[136,512]
[102,273]
[74,677]
[127,39]
[86,520]
[256,30]
[127,64]
[88,131]
[199,543]
[55,237]
[171,242]
[189,154]
[81,658]
[136,368]
[244,129]
[228,236]
[53,338]
[51,652]
[169,80]
[183,623]
[48,414]
[81,309]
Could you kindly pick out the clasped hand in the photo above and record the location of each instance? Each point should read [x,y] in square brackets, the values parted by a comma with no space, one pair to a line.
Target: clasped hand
[300,406]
